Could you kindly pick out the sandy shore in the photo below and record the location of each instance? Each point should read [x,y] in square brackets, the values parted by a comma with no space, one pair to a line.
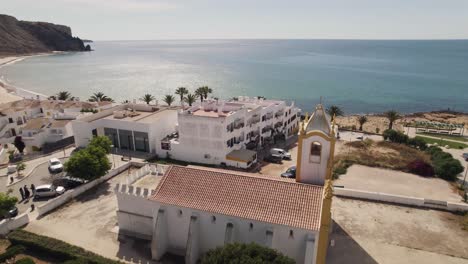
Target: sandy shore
[381,122]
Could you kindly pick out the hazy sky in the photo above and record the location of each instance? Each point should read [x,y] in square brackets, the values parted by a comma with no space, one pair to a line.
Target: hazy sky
[192,19]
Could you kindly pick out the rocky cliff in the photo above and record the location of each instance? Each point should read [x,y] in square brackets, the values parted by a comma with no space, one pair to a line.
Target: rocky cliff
[23,37]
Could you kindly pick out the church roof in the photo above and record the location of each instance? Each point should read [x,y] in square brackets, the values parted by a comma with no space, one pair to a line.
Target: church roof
[319,121]
[242,195]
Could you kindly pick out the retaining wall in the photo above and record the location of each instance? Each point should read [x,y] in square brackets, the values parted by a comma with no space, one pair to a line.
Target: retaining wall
[8,225]
[401,200]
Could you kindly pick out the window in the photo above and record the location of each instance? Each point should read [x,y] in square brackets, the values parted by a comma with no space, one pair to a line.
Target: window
[291,234]
[179,213]
[141,141]
[213,219]
[315,152]
[250,226]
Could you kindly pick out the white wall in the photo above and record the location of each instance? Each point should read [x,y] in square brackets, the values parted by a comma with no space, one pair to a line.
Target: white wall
[311,172]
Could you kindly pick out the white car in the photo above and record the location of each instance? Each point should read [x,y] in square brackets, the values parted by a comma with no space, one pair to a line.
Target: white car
[55,166]
[48,190]
[280,152]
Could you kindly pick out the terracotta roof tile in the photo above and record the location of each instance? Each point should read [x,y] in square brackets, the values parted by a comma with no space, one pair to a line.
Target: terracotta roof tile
[243,195]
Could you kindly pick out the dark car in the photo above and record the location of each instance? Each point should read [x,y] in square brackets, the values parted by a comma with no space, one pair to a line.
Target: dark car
[289,173]
[274,159]
[13,212]
[69,182]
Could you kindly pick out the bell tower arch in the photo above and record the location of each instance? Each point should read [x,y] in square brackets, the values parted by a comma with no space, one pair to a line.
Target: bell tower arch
[315,148]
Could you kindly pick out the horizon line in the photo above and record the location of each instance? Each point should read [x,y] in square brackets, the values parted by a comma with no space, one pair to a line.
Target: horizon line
[348,39]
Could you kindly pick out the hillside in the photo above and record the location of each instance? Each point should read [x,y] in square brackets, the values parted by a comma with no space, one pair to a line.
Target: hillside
[23,37]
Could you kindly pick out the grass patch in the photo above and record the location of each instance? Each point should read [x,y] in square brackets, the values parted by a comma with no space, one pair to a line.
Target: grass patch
[383,154]
[54,248]
[441,142]
[457,138]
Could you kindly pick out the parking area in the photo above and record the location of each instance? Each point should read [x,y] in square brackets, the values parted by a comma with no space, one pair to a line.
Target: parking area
[39,176]
[366,232]
[90,221]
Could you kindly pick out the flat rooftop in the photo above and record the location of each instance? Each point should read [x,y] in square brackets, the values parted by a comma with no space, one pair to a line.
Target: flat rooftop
[125,113]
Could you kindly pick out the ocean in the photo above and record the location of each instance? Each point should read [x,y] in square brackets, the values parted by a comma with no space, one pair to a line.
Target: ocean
[361,76]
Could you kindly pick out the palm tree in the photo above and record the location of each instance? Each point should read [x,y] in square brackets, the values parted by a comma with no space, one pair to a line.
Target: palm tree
[206,90]
[100,97]
[181,91]
[334,110]
[64,96]
[169,99]
[147,98]
[392,116]
[199,93]
[190,99]
[362,120]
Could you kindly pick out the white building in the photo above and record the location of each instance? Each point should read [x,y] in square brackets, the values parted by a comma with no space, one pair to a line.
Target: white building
[14,116]
[195,209]
[133,127]
[222,132]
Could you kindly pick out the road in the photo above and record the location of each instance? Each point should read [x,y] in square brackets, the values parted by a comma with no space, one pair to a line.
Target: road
[38,177]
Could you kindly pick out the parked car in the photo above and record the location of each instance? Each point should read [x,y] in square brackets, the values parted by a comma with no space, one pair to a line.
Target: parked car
[55,166]
[273,159]
[69,182]
[465,156]
[289,173]
[280,152]
[48,190]
[13,212]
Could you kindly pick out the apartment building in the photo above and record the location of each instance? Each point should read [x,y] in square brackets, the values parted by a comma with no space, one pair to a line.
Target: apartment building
[230,132]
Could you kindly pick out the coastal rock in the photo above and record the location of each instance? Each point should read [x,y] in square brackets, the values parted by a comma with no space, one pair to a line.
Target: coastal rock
[24,37]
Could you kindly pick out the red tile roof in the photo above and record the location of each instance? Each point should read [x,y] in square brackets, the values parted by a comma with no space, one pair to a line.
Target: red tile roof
[243,195]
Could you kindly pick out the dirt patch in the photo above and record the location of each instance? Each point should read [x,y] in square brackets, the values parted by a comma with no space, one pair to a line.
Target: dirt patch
[394,234]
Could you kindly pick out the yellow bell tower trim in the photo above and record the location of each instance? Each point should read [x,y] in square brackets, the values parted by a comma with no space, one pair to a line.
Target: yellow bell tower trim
[325,223]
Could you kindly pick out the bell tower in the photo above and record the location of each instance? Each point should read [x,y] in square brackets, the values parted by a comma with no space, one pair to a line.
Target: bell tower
[316,148]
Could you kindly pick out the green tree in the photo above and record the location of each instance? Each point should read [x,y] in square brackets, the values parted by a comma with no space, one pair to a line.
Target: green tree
[6,203]
[199,93]
[88,164]
[362,120]
[64,96]
[147,98]
[169,99]
[100,97]
[334,110]
[392,116]
[19,144]
[244,253]
[181,92]
[190,99]
[102,142]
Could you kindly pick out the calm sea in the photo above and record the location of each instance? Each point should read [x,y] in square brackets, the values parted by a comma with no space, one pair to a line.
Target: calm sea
[361,76]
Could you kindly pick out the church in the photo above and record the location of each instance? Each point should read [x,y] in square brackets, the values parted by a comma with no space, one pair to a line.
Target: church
[194,209]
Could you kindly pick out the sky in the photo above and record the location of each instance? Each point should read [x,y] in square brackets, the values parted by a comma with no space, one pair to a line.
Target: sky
[252,19]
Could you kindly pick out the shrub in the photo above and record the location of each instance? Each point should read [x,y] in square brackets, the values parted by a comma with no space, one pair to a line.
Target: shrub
[448,169]
[6,203]
[11,252]
[421,168]
[244,253]
[25,261]
[417,143]
[55,248]
[433,149]
[395,136]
